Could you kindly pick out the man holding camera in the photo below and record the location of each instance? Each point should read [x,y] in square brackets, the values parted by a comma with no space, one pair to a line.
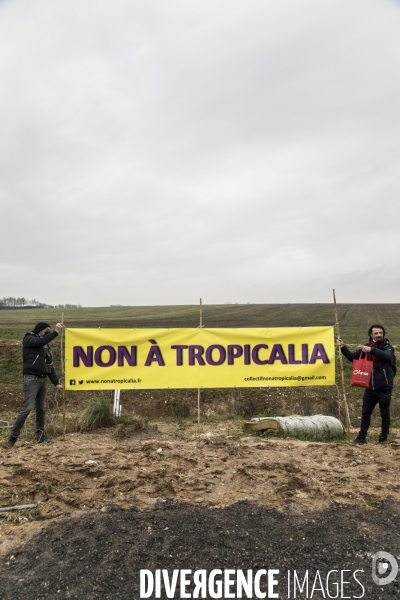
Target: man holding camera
[37,366]
[380,352]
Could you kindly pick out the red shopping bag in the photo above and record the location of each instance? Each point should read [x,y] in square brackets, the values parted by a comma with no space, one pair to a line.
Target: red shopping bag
[361,373]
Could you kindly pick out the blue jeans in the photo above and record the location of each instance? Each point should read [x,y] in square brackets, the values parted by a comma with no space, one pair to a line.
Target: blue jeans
[370,399]
[35,389]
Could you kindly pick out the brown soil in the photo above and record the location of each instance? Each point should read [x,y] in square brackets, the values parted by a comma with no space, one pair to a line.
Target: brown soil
[88,478]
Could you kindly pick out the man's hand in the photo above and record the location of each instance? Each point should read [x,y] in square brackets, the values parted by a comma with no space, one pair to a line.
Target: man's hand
[59,386]
[365,348]
[340,343]
[58,327]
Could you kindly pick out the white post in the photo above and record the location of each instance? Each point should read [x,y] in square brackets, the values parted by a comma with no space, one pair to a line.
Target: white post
[116,407]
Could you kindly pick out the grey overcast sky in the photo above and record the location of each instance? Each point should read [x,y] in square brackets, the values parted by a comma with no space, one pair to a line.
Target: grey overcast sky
[158,151]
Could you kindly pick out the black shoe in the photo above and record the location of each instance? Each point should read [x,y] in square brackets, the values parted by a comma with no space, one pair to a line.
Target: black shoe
[359,440]
[11,442]
[382,439]
[41,437]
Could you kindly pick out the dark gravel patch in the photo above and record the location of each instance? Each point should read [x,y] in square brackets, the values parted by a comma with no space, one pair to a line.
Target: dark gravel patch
[99,555]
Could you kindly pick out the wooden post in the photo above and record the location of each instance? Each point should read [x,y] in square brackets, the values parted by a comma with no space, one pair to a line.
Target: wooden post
[198,390]
[341,368]
[198,413]
[63,375]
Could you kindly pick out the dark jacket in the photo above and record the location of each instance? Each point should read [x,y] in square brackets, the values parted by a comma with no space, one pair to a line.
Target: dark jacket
[37,356]
[382,374]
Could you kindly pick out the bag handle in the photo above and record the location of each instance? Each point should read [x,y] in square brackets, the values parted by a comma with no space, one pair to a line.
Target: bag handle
[365,357]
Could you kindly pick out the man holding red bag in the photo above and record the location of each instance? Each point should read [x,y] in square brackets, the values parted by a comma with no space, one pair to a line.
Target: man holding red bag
[381,353]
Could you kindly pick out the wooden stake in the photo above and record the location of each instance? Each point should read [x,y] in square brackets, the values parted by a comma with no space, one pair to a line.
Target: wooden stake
[198,413]
[341,368]
[198,391]
[63,375]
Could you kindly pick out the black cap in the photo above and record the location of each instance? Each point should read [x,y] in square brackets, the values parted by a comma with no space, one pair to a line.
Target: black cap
[40,326]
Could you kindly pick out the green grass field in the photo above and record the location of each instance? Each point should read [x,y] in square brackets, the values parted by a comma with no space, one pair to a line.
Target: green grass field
[354,319]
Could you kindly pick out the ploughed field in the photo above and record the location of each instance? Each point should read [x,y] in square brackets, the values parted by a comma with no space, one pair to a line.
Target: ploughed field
[14,322]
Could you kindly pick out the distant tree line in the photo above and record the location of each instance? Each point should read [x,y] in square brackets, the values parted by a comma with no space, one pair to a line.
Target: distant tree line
[68,306]
[11,302]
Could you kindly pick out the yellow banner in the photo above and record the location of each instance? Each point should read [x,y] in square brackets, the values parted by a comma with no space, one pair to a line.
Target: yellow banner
[198,358]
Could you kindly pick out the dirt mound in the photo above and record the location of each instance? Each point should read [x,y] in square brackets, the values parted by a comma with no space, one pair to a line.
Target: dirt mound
[99,555]
[108,506]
